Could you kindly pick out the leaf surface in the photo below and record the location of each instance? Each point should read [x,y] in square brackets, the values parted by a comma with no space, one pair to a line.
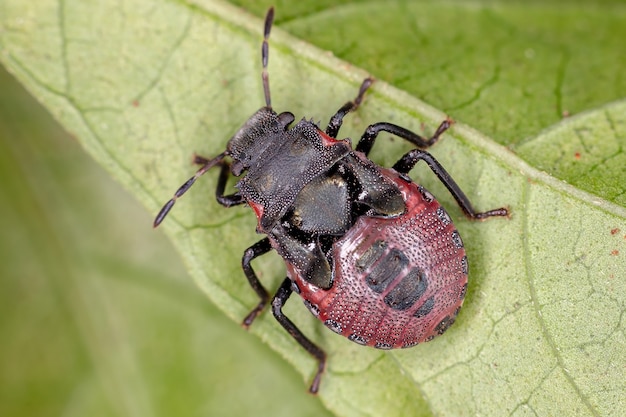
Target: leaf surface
[146,84]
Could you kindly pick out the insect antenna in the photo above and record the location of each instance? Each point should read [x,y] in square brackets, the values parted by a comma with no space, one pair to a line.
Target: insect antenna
[265,53]
[208,164]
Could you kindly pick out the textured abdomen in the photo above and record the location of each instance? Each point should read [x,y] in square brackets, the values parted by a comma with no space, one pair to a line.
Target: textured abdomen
[397,281]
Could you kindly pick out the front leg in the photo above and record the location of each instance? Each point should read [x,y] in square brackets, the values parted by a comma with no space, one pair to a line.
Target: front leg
[225,200]
[337,120]
[260,248]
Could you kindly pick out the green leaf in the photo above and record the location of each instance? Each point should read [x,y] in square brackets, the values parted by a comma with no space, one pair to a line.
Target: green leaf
[144,85]
[586,151]
[97,314]
[509,70]
[474,60]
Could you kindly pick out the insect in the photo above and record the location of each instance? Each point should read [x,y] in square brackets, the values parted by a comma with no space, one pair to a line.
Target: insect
[372,254]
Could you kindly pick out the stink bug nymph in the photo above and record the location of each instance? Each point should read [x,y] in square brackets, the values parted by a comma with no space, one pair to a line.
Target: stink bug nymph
[373,255]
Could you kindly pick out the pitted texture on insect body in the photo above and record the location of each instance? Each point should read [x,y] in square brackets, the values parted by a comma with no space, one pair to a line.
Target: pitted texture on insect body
[373,256]
[425,308]
[306,256]
[406,292]
[286,167]
[323,206]
[376,191]
[247,144]
[407,272]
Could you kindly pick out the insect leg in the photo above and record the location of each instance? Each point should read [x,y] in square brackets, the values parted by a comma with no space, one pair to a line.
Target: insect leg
[408,161]
[260,248]
[277,304]
[367,140]
[225,200]
[337,120]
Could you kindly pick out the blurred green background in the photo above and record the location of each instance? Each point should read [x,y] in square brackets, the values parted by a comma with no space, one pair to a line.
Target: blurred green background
[97,314]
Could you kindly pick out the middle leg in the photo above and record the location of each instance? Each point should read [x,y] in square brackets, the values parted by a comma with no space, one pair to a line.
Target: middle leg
[367,140]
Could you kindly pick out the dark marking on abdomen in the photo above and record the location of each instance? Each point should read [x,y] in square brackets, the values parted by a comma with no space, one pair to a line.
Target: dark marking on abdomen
[386,270]
[408,291]
[385,266]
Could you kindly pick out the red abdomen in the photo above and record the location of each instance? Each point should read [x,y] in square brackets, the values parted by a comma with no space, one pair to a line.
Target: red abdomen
[397,281]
